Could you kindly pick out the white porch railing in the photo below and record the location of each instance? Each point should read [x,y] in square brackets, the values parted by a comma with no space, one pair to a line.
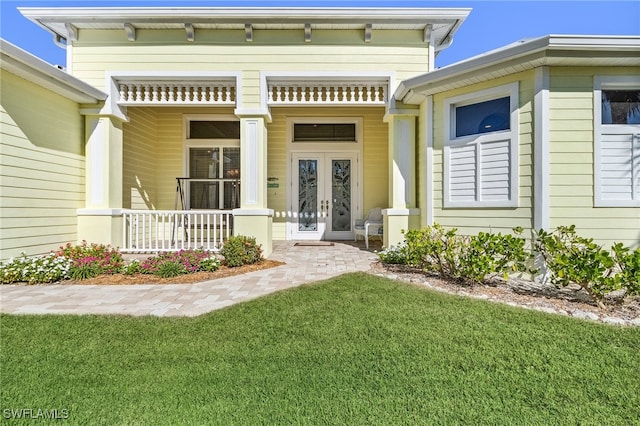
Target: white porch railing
[327,93]
[150,231]
[176,93]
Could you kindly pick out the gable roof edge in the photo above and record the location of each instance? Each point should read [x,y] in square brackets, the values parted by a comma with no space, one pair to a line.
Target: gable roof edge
[530,52]
[34,69]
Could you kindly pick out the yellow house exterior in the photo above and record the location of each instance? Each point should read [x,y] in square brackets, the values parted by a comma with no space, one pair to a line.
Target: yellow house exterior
[42,163]
[291,124]
[309,90]
[563,163]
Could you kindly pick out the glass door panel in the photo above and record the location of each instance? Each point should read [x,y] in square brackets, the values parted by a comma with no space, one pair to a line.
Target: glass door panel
[308,195]
[322,199]
[340,195]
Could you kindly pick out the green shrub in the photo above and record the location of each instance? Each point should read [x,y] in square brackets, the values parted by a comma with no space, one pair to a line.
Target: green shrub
[131,268]
[170,269]
[240,250]
[435,250]
[84,270]
[628,263]
[473,259]
[396,255]
[489,255]
[570,258]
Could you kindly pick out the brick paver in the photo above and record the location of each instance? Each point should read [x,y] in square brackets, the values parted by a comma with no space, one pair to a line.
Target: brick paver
[304,263]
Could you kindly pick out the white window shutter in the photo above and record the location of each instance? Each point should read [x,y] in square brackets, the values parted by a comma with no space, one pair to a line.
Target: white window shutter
[495,171]
[480,174]
[619,168]
[462,173]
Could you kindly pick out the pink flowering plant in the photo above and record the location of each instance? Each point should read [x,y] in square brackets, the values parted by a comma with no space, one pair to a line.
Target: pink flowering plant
[178,263]
[91,260]
[85,261]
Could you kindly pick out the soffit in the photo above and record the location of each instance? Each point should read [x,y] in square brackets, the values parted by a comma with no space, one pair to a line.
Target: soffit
[443,22]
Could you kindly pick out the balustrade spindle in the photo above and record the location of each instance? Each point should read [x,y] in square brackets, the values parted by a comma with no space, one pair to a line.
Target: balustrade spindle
[122,92]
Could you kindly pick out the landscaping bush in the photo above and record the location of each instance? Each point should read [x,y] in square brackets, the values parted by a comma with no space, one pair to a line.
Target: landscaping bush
[35,269]
[89,261]
[395,255]
[170,269]
[240,250]
[473,259]
[183,262]
[86,261]
[489,255]
[571,259]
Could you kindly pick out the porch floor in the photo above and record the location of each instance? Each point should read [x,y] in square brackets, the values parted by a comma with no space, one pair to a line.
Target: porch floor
[304,263]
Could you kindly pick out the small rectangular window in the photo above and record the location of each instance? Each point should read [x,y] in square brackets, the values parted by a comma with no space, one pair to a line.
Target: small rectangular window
[621,107]
[324,132]
[483,117]
[214,129]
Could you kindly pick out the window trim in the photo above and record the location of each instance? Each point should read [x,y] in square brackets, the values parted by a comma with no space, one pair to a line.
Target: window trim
[619,82]
[204,143]
[450,140]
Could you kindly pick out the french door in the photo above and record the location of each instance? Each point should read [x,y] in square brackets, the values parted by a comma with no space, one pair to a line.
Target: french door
[323,201]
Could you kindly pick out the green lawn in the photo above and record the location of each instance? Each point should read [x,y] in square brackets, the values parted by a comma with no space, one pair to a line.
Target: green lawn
[357,349]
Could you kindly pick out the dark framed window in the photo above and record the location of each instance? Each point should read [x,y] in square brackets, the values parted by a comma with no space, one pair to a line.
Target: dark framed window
[324,132]
[483,117]
[621,106]
[203,129]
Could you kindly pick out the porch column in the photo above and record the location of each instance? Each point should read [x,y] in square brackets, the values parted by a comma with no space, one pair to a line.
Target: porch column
[403,214]
[253,218]
[100,221]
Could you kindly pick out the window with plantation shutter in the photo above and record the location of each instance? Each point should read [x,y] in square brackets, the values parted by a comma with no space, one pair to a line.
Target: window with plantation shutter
[480,152]
[617,141]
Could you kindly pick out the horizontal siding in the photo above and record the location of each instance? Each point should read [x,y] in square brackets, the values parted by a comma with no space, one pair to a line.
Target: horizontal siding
[42,177]
[139,167]
[45,118]
[473,220]
[92,60]
[572,160]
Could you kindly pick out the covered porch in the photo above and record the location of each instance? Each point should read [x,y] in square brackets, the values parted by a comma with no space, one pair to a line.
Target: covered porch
[177,164]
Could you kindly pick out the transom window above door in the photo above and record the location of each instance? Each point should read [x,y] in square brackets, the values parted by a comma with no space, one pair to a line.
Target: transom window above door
[324,132]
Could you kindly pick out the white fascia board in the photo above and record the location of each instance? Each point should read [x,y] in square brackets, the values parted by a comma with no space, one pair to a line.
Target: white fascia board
[54,19]
[34,69]
[526,49]
[224,14]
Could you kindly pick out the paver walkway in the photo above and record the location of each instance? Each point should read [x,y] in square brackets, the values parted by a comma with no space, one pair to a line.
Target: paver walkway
[304,263]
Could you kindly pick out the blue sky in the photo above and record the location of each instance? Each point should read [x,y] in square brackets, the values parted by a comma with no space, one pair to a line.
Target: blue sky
[490,25]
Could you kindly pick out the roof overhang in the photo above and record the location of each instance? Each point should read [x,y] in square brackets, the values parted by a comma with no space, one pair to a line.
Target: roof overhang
[31,68]
[439,24]
[551,50]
